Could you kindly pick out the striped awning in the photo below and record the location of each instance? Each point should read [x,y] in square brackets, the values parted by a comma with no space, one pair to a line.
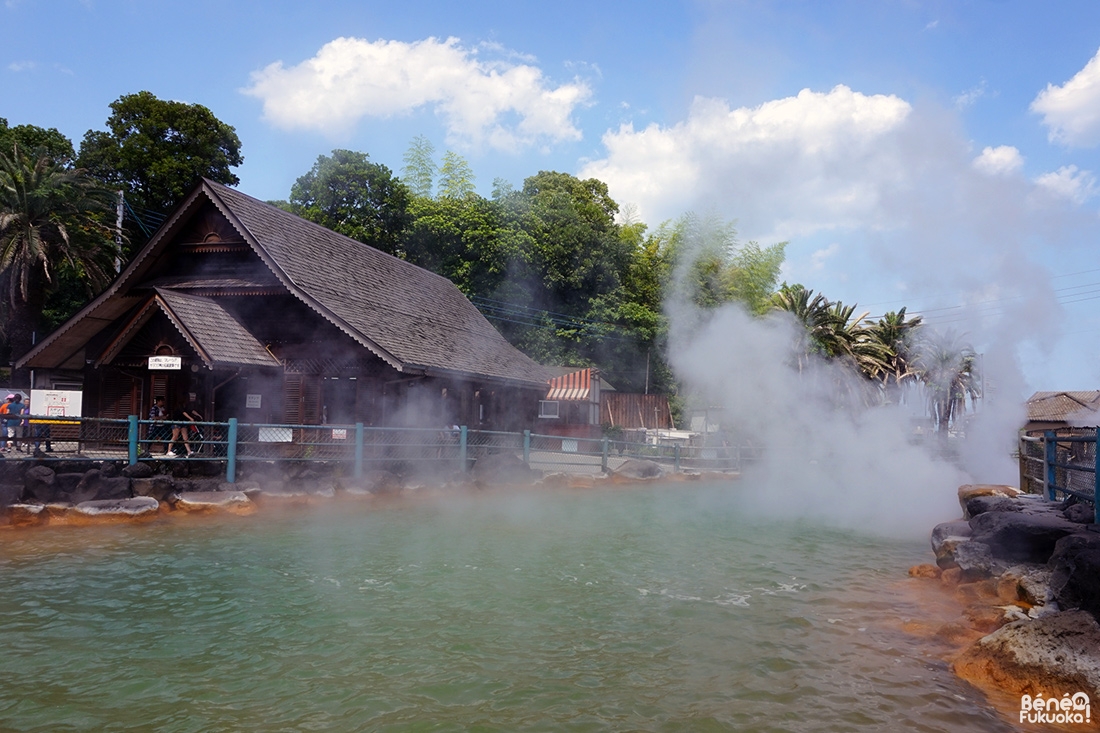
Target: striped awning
[573,386]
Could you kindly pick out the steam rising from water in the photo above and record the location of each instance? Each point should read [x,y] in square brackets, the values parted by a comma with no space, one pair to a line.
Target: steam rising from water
[825,456]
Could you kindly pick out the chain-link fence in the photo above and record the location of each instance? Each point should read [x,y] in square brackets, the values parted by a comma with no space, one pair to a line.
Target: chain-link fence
[63,437]
[1060,465]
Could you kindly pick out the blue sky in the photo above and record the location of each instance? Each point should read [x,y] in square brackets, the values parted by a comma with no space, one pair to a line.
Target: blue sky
[940,155]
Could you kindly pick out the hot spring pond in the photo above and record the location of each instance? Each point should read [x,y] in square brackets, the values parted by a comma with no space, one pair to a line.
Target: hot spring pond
[664,608]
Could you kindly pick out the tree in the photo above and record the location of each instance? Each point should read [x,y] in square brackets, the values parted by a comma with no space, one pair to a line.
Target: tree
[157,150]
[31,137]
[50,224]
[420,168]
[945,366]
[456,178]
[897,334]
[351,195]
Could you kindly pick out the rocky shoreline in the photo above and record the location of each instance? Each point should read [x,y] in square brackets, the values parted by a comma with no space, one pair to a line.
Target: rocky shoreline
[1027,573]
[83,492]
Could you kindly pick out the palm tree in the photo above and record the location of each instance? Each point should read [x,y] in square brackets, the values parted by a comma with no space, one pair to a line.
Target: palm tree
[812,313]
[897,335]
[946,367]
[50,220]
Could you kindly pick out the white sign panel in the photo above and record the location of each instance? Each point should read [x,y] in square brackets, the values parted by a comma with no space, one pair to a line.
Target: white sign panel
[253,401]
[56,402]
[339,433]
[165,362]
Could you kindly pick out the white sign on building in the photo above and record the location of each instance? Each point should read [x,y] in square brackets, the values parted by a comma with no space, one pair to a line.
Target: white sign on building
[56,402]
[166,362]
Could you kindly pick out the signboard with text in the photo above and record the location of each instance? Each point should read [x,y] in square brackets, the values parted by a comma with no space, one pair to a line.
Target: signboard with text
[165,362]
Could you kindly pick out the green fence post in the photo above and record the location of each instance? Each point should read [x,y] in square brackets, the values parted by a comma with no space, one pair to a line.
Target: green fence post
[133,439]
[358,450]
[231,452]
[462,448]
[1050,456]
[527,447]
[676,453]
[605,445]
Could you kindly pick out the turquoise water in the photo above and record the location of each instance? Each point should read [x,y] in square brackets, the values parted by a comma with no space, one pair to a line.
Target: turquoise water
[660,609]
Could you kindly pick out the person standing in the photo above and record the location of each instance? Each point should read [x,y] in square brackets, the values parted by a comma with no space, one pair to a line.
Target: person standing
[6,429]
[181,416]
[158,413]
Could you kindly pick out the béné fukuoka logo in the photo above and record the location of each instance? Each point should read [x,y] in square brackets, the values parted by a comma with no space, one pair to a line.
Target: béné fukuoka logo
[1073,708]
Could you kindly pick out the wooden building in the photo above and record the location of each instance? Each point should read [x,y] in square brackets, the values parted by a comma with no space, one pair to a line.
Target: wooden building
[251,312]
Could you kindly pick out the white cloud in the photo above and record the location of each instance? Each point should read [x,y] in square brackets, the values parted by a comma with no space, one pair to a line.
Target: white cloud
[819,257]
[502,104]
[999,161]
[970,96]
[18,66]
[787,167]
[1072,111]
[1070,183]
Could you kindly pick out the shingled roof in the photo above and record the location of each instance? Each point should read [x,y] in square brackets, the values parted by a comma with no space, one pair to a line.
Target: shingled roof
[1067,407]
[415,320]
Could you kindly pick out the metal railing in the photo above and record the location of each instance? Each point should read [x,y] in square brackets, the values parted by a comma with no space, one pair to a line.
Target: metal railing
[362,447]
[1054,465]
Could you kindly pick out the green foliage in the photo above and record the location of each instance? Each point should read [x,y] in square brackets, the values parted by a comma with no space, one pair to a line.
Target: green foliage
[31,137]
[349,194]
[52,230]
[420,169]
[157,150]
[456,178]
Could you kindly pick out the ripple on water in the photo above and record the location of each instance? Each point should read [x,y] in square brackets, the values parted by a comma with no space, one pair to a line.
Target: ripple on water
[663,608]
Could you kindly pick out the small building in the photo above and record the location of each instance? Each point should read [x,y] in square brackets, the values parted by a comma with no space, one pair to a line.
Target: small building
[581,404]
[1062,411]
[247,311]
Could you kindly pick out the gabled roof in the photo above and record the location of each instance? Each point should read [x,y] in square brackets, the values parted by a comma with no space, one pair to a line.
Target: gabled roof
[415,320]
[1079,406]
[575,385]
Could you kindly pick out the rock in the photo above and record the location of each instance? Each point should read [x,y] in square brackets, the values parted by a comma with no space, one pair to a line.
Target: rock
[64,485]
[157,487]
[637,468]
[1079,514]
[288,495]
[142,469]
[95,486]
[925,570]
[945,538]
[25,515]
[374,482]
[10,494]
[982,504]
[1053,655]
[1020,536]
[1075,572]
[1032,583]
[133,509]
[38,484]
[234,502]
[503,468]
[974,559]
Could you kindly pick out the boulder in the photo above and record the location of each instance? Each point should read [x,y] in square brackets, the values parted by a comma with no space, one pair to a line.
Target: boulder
[945,538]
[94,485]
[975,560]
[1053,655]
[39,484]
[503,468]
[107,510]
[1075,572]
[289,495]
[374,482]
[234,502]
[139,470]
[637,468]
[10,494]
[1021,536]
[158,487]
[64,485]
[982,504]
[1079,513]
